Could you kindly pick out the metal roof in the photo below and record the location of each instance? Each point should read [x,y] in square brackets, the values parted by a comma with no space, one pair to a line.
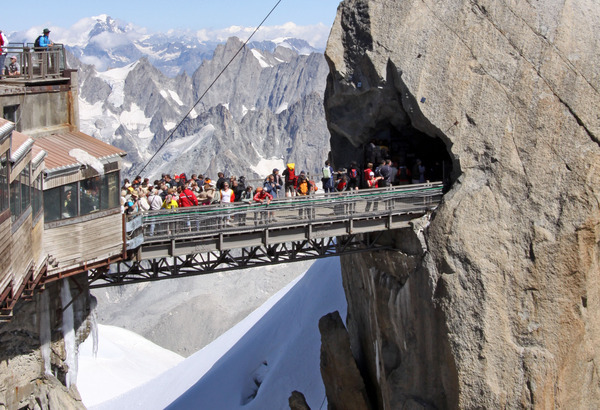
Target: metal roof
[20,145]
[58,146]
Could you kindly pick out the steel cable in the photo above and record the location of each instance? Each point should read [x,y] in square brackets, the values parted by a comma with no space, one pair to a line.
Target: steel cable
[209,87]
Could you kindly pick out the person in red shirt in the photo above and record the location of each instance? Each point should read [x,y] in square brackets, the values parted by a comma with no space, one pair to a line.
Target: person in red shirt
[186,197]
[366,173]
[261,196]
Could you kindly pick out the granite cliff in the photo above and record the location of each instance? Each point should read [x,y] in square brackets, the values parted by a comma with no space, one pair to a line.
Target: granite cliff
[493,300]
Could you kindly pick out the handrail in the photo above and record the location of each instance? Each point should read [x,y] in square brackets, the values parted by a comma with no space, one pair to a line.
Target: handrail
[210,220]
[37,63]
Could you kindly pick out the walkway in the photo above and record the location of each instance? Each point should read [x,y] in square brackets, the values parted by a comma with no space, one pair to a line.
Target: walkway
[207,239]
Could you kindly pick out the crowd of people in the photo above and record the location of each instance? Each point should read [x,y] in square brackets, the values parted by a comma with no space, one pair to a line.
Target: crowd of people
[180,191]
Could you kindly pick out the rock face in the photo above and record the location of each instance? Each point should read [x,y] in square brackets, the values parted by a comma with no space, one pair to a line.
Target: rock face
[37,367]
[494,302]
[344,385]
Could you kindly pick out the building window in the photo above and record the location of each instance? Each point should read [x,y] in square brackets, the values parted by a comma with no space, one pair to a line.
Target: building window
[11,113]
[36,195]
[94,194]
[4,188]
[20,197]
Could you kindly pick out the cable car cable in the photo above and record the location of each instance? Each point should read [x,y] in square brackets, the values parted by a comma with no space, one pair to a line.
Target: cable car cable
[209,87]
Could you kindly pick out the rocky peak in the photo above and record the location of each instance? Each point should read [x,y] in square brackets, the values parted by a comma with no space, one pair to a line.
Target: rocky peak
[496,312]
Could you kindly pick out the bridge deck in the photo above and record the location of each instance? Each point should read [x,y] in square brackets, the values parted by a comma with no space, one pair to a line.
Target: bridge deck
[198,240]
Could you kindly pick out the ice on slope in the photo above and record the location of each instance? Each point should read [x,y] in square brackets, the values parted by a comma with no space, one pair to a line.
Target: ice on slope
[124,360]
[260,361]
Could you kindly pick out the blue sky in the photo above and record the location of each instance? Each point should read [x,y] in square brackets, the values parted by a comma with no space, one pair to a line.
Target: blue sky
[164,15]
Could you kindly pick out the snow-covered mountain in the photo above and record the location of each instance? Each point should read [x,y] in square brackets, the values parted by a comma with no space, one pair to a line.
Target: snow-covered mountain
[107,43]
[265,109]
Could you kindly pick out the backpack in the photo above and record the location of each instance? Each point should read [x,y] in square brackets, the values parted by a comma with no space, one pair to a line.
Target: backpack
[303,187]
[403,173]
[36,43]
[291,173]
[353,173]
[326,172]
[341,185]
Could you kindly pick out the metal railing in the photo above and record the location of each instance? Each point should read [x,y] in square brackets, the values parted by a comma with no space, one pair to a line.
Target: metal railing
[36,63]
[199,221]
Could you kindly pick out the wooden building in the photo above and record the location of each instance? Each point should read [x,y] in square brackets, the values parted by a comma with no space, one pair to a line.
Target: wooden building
[60,212]
[22,257]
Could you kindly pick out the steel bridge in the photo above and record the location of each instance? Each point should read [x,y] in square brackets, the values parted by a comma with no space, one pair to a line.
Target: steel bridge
[206,239]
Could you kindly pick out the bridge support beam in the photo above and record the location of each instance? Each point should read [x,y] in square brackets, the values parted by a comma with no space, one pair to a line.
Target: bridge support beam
[223,260]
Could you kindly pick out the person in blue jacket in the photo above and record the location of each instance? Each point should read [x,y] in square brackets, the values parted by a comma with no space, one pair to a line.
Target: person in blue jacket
[45,39]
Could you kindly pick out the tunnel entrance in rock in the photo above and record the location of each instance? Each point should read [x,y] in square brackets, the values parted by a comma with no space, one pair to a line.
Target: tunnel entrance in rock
[426,158]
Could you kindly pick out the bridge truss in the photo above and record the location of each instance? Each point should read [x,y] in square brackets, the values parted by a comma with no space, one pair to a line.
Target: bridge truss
[234,259]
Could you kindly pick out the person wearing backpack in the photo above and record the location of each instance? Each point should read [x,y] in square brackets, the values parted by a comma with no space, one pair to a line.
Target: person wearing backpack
[403,176]
[291,180]
[305,189]
[327,177]
[353,177]
[43,41]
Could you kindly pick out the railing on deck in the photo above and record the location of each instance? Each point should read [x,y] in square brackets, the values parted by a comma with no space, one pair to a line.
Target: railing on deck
[157,226]
[36,63]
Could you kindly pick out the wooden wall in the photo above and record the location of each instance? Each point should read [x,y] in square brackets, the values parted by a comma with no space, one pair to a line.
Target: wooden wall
[37,246]
[75,244]
[22,255]
[5,254]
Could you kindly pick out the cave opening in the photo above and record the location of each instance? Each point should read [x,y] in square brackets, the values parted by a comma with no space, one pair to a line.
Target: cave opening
[426,158]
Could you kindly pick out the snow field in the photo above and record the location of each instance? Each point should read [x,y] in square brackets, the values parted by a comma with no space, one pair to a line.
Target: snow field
[254,365]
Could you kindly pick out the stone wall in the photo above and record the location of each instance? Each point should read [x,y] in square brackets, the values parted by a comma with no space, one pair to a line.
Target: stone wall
[500,308]
[29,378]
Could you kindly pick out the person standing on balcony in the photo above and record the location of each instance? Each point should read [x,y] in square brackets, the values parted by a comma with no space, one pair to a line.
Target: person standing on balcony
[3,45]
[45,39]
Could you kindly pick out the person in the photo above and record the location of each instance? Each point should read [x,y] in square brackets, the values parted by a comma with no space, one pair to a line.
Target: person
[207,196]
[44,40]
[143,204]
[70,205]
[327,177]
[271,186]
[277,178]
[341,183]
[237,189]
[155,202]
[384,171]
[3,45]
[261,196]
[418,172]
[353,176]
[227,194]
[227,197]
[403,176]
[289,173]
[186,197]
[366,174]
[247,196]
[394,174]
[372,181]
[170,202]
[304,188]
[221,180]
